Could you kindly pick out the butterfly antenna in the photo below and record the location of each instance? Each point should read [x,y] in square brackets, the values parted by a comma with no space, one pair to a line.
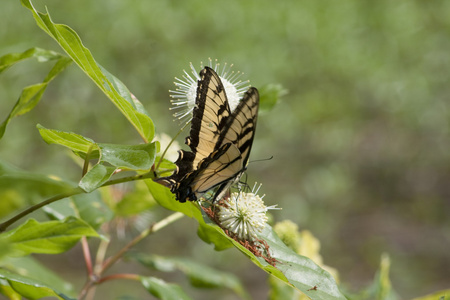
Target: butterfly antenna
[263,159]
[170,144]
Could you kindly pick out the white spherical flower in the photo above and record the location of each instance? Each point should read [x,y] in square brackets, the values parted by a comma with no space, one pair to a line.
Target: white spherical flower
[183,97]
[244,215]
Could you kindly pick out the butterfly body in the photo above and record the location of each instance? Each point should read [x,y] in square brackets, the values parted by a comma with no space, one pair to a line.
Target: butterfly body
[220,141]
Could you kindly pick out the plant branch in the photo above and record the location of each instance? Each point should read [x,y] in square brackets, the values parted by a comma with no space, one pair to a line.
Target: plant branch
[155,227]
[119,276]
[75,191]
[167,148]
[87,255]
[35,207]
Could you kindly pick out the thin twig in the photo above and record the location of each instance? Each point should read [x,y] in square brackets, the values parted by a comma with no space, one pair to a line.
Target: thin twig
[87,255]
[31,209]
[73,192]
[167,148]
[119,276]
[155,227]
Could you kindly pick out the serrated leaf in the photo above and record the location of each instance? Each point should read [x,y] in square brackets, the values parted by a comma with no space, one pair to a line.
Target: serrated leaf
[198,274]
[113,88]
[73,141]
[163,290]
[31,95]
[95,177]
[132,157]
[30,288]
[47,237]
[88,207]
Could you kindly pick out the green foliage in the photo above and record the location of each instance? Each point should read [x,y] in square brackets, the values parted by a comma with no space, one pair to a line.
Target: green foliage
[50,237]
[23,286]
[35,270]
[163,290]
[106,201]
[113,88]
[199,275]
[31,95]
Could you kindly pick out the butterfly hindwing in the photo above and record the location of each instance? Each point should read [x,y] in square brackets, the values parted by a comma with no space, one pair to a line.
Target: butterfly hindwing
[220,141]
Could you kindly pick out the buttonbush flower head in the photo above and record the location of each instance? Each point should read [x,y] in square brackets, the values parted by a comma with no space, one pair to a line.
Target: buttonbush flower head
[183,97]
[244,214]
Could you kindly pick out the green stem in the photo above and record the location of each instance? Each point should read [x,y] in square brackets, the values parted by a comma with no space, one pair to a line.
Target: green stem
[73,192]
[167,148]
[155,227]
[31,209]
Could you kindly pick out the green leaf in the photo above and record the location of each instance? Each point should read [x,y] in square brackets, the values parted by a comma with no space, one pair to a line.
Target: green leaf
[29,288]
[381,287]
[199,275]
[33,269]
[88,207]
[19,188]
[9,292]
[31,95]
[440,295]
[41,55]
[269,95]
[163,290]
[129,157]
[6,249]
[95,177]
[299,271]
[166,199]
[165,168]
[280,290]
[75,142]
[113,88]
[136,201]
[210,233]
[48,237]
[135,157]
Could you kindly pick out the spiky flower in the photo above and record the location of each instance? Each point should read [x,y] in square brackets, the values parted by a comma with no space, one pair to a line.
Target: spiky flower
[183,97]
[244,214]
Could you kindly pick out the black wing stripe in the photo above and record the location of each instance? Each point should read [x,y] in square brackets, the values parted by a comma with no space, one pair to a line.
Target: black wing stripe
[220,141]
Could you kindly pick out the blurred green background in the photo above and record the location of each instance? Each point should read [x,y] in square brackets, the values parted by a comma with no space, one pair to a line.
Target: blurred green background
[360,143]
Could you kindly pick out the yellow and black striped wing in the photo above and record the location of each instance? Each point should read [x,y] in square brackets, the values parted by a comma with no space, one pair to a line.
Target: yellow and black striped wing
[209,116]
[220,141]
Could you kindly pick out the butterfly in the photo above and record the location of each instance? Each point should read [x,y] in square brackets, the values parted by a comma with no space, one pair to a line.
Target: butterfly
[220,141]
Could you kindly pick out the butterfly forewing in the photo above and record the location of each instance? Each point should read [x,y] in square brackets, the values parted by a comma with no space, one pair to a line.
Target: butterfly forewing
[220,141]
[209,115]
